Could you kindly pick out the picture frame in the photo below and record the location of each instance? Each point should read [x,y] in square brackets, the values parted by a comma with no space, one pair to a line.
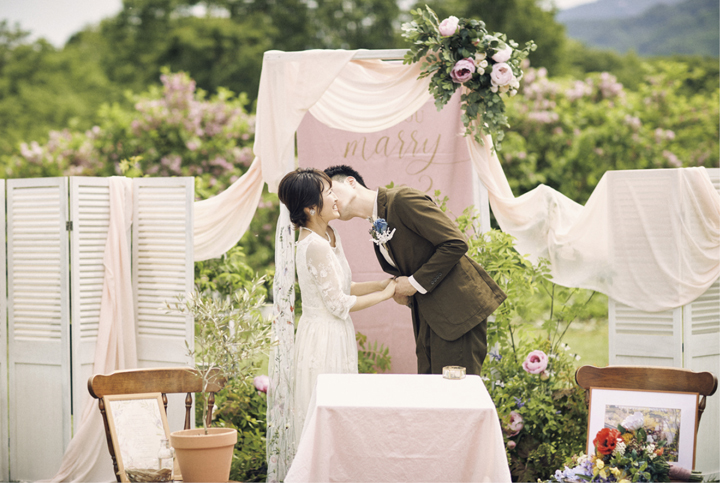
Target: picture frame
[137,423]
[674,415]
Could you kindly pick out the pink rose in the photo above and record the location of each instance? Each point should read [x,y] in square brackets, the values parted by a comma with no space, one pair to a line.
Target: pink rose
[511,444]
[503,55]
[536,362]
[448,26]
[515,425]
[463,71]
[261,383]
[501,74]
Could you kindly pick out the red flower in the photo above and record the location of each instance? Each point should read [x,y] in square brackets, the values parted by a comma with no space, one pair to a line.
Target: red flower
[606,440]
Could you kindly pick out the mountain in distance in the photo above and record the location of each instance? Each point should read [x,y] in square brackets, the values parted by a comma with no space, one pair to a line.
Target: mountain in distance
[689,27]
[605,9]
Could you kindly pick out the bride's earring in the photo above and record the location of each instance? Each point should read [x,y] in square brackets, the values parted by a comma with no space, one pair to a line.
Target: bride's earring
[312,212]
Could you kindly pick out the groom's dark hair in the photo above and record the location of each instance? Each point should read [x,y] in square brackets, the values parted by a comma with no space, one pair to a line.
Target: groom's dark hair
[342,171]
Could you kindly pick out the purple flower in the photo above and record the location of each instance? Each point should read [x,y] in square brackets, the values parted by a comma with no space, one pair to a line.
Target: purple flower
[518,402]
[463,71]
[262,383]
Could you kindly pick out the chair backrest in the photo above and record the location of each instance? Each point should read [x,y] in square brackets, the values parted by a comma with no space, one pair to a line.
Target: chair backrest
[169,380]
[649,378]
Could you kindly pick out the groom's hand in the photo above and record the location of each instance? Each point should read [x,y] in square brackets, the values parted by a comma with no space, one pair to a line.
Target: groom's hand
[404,287]
[402,299]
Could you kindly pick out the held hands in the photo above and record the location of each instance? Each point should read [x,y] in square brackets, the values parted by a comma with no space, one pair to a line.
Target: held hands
[404,287]
[389,289]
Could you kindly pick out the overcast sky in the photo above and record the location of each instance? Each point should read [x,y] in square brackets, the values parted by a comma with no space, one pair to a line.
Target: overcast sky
[57,20]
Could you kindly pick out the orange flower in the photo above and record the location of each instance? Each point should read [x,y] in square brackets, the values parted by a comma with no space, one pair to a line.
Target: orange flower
[605,440]
[660,451]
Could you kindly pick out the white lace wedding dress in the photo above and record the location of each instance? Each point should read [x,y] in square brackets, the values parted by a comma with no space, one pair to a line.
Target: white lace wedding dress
[325,338]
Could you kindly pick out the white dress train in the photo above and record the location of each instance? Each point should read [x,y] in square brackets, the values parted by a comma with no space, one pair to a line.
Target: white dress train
[325,338]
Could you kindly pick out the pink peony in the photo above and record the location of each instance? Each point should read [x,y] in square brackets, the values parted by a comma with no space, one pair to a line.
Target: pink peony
[448,26]
[511,444]
[536,362]
[262,383]
[515,425]
[463,71]
[501,74]
[503,55]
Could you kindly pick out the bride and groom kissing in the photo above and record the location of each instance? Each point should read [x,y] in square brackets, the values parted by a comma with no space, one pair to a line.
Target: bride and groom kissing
[450,296]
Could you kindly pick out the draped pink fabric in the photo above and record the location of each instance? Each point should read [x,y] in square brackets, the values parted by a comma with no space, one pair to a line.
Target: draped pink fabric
[87,457]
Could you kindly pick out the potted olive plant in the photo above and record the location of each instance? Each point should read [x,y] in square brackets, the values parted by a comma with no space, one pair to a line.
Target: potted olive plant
[231,334]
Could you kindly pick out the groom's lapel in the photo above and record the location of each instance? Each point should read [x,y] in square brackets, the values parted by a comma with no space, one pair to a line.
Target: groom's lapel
[382,211]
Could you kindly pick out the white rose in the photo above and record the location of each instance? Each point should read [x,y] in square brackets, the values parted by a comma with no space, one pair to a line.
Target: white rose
[501,74]
[634,421]
[483,64]
[503,55]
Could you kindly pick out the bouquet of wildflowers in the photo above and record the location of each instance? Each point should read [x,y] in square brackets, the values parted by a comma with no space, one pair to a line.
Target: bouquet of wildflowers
[460,52]
[630,453]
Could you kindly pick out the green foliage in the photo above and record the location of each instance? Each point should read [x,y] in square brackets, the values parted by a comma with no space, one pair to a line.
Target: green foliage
[244,409]
[371,358]
[225,275]
[230,335]
[483,107]
[552,407]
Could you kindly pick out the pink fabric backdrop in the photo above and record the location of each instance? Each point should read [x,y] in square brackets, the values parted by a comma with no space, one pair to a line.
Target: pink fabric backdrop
[427,152]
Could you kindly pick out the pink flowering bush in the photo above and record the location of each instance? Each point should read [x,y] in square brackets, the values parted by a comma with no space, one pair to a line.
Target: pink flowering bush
[567,133]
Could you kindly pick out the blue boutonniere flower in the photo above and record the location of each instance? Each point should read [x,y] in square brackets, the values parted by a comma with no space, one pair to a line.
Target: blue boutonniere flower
[380,232]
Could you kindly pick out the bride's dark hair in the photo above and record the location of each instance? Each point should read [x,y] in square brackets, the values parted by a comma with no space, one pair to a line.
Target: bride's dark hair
[302,189]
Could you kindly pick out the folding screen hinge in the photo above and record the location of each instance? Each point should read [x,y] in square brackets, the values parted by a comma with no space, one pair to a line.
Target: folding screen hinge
[68,225]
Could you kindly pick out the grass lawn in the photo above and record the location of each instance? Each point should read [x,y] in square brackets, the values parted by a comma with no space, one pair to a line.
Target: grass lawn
[589,340]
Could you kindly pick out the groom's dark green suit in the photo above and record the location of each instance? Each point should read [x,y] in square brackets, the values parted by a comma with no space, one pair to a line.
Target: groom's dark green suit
[450,319]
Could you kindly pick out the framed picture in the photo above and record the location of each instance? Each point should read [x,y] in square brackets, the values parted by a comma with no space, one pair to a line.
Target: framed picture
[671,416]
[137,423]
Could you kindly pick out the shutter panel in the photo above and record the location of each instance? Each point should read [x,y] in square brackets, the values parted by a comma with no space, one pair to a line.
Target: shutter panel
[637,337]
[640,338]
[163,269]
[39,326]
[90,215]
[701,321]
[4,462]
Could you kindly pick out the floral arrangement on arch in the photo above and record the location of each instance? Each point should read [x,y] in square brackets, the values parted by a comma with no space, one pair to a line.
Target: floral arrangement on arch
[461,52]
[633,453]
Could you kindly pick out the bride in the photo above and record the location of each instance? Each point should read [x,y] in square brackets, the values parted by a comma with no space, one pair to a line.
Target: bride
[325,338]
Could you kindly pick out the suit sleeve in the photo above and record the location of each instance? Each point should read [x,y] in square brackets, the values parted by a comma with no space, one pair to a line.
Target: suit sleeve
[422,216]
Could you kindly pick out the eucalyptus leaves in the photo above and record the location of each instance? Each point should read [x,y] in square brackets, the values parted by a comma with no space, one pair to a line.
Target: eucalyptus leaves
[461,52]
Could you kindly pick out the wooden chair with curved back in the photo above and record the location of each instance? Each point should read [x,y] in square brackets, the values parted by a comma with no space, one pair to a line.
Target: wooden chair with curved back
[649,378]
[170,380]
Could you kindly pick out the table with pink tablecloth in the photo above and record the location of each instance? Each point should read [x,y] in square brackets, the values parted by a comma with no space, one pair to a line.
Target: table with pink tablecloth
[399,427]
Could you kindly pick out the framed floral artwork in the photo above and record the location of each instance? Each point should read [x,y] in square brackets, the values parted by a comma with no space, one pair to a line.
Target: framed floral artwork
[137,424]
[666,419]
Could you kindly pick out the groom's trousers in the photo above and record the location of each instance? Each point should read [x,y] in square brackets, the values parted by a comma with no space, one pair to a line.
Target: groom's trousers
[433,352]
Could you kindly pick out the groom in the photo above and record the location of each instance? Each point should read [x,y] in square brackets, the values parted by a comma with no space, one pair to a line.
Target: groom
[449,294]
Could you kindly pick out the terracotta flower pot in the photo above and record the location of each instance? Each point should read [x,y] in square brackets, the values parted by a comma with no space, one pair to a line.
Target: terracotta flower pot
[204,457]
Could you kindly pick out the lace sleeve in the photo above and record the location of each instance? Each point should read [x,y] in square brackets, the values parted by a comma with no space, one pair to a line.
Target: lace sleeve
[324,270]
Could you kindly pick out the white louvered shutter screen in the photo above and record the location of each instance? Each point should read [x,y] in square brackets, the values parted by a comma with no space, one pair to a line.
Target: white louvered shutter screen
[90,217]
[4,462]
[163,269]
[39,326]
[637,337]
[701,321]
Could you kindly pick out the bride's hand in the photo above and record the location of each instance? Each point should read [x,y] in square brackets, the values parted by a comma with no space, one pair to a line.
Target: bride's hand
[384,283]
[389,289]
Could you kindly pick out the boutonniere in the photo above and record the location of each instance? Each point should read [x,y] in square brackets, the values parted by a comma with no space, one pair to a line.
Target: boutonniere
[380,232]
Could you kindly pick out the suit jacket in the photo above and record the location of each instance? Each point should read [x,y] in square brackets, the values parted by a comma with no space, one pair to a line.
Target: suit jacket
[430,247]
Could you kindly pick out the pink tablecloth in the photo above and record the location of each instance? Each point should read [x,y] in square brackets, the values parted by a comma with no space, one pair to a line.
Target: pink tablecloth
[392,427]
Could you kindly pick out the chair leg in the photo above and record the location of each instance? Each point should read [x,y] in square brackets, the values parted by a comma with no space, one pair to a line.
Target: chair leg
[188,408]
[211,404]
[101,403]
